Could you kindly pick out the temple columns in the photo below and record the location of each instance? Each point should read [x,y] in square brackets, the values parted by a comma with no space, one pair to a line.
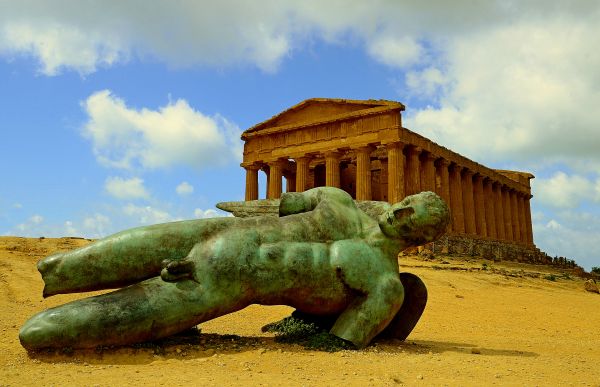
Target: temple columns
[456,200]
[528,220]
[363,173]
[508,230]
[428,175]
[251,182]
[274,180]
[290,183]
[332,169]
[499,210]
[480,223]
[522,221]
[489,199]
[444,189]
[301,173]
[395,169]
[412,182]
[515,216]
[468,201]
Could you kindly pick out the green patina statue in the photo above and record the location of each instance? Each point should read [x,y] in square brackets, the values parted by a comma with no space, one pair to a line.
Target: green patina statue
[323,256]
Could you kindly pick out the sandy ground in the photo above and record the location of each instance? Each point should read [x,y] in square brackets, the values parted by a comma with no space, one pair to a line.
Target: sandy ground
[506,325]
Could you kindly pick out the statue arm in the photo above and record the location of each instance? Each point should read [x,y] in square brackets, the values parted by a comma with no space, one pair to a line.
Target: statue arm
[298,202]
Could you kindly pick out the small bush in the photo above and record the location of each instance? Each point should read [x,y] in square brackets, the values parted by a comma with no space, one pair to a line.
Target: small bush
[596,269]
[550,277]
[293,330]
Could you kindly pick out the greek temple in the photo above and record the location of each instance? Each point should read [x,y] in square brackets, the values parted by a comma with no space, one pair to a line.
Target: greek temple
[361,147]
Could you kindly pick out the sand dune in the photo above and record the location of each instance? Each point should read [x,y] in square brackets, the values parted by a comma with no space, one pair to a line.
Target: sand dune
[507,325]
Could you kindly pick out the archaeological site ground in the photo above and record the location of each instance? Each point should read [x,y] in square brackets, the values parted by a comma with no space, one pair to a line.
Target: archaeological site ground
[487,323]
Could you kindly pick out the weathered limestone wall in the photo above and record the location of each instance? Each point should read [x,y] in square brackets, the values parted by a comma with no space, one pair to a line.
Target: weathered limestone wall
[489,249]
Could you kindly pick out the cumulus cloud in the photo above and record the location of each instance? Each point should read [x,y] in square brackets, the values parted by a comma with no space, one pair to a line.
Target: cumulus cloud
[126,188]
[58,46]
[513,94]
[396,52]
[569,235]
[184,188]
[147,214]
[210,213]
[176,134]
[566,191]
[86,35]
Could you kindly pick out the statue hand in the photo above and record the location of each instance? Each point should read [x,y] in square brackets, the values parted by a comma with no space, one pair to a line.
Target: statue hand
[292,203]
[175,270]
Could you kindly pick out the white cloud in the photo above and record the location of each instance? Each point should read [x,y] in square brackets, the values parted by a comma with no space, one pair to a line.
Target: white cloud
[147,214]
[184,188]
[395,52]
[17,206]
[512,92]
[566,191]
[97,226]
[210,213]
[86,35]
[126,188]
[570,235]
[36,219]
[427,83]
[70,230]
[175,134]
[57,46]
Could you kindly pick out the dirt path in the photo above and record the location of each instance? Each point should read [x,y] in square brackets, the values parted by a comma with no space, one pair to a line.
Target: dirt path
[481,327]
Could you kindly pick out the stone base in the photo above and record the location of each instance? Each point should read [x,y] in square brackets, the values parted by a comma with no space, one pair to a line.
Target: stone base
[489,249]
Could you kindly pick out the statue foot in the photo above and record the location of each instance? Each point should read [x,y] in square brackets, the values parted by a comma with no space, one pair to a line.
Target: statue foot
[177,269]
[415,299]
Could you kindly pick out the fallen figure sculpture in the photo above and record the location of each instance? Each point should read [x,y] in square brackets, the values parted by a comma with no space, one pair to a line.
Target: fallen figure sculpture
[323,256]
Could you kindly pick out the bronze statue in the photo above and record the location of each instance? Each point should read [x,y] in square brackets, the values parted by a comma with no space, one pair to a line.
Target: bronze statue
[323,256]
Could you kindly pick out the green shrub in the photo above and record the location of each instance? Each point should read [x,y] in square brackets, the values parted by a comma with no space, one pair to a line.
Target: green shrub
[596,269]
[550,277]
[293,330]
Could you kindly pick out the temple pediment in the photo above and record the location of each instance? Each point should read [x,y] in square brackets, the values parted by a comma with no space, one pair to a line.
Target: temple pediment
[317,110]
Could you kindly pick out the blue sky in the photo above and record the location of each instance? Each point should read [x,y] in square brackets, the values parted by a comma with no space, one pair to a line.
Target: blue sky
[113,118]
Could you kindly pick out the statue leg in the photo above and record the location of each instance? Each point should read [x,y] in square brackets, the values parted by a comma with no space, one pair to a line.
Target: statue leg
[126,257]
[415,299]
[149,310]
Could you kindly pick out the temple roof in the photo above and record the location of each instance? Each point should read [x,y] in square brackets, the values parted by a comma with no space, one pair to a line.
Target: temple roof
[320,110]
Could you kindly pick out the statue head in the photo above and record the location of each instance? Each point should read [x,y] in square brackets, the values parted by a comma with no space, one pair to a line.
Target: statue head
[417,219]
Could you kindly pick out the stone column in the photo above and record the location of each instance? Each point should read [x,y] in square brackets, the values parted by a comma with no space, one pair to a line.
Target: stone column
[480,223]
[468,201]
[274,183]
[290,182]
[265,168]
[444,189]
[528,219]
[442,170]
[363,173]
[251,181]
[413,180]
[508,230]
[428,175]
[499,210]
[489,199]
[395,169]
[522,221]
[515,216]
[456,200]
[332,169]
[302,173]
